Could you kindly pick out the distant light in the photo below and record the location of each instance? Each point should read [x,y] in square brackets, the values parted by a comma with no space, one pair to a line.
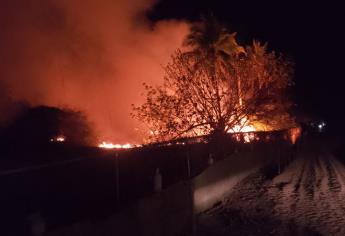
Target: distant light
[321,126]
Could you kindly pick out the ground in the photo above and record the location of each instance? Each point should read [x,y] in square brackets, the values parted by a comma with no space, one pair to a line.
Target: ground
[307,198]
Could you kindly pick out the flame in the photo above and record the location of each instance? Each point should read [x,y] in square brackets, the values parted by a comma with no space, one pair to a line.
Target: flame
[242,127]
[248,137]
[294,134]
[245,128]
[245,137]
[58,139]
[109,145]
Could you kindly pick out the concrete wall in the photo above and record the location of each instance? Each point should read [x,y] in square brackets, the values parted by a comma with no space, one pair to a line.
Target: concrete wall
[171,211]
[166,213]
[218,180]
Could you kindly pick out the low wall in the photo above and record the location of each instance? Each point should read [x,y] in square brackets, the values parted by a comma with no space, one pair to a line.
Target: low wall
[171,211]
[218,180]
[166,213]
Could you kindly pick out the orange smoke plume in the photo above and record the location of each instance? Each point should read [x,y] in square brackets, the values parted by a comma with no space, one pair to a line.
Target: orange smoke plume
[87,55]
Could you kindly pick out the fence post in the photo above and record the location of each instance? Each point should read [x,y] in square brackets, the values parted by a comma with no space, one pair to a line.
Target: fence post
[279,153]
[191,194]
[210,159]
[157,181]
[117,178]
[188,165]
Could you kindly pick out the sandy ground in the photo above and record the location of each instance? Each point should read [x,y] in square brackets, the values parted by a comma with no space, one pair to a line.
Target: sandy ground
[307,198]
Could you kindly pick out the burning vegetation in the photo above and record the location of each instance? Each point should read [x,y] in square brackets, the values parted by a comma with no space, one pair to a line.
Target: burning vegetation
[212,85]
[40,125]
[81,56]
[109,145]
[217,86]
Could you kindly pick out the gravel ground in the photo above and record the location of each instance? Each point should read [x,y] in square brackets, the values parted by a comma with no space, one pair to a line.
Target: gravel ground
[307,198]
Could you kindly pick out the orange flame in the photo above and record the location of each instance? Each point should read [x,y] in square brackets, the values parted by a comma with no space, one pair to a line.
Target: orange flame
[242,127]
[294,134]
[109,145]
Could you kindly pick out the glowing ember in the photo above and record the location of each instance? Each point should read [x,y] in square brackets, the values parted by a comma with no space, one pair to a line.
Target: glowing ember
[245,137]
[246,129]
[58,139]
[248,137]
[294,134]
[108,145]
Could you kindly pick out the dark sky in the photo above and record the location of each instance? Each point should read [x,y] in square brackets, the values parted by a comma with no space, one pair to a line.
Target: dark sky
[313,34]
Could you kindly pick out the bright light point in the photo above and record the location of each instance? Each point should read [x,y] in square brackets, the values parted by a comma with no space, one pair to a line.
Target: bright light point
[58,139]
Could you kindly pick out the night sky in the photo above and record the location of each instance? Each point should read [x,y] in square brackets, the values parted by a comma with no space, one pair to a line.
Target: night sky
[312,34]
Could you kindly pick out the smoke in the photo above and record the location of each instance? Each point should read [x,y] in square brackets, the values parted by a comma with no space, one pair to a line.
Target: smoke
[87,55]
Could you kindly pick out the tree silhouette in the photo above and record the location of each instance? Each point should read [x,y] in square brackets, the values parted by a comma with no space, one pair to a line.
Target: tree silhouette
[211,37]
[39,125]
[216,86]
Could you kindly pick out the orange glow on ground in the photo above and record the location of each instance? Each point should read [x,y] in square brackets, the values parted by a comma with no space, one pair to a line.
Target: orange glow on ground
[109,145]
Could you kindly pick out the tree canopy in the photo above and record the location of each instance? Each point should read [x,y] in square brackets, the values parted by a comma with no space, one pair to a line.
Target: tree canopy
[218,86]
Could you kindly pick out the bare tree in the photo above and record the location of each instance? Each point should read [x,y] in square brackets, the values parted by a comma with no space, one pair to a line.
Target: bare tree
[207,92]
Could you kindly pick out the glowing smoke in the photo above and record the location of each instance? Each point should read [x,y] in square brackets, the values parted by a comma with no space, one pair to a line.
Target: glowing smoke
[88,55]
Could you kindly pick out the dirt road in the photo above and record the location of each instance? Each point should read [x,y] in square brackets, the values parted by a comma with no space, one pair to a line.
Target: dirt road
[307,198]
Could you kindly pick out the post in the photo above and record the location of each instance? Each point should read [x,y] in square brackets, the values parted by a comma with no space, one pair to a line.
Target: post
[117,178]
[279,151]
[188,165]
[157,185]
[191,192]
[194,219]
[210,159]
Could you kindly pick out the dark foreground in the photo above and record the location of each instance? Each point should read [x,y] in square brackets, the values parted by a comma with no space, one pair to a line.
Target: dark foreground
[304,198]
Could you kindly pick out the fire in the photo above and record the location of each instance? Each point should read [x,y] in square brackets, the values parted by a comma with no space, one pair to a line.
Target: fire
[242,127]
[245,128]
[109,145]
[58,139]
[294,134]
[248,137]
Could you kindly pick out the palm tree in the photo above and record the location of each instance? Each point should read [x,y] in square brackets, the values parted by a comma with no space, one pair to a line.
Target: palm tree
[212,37]
[209,38]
